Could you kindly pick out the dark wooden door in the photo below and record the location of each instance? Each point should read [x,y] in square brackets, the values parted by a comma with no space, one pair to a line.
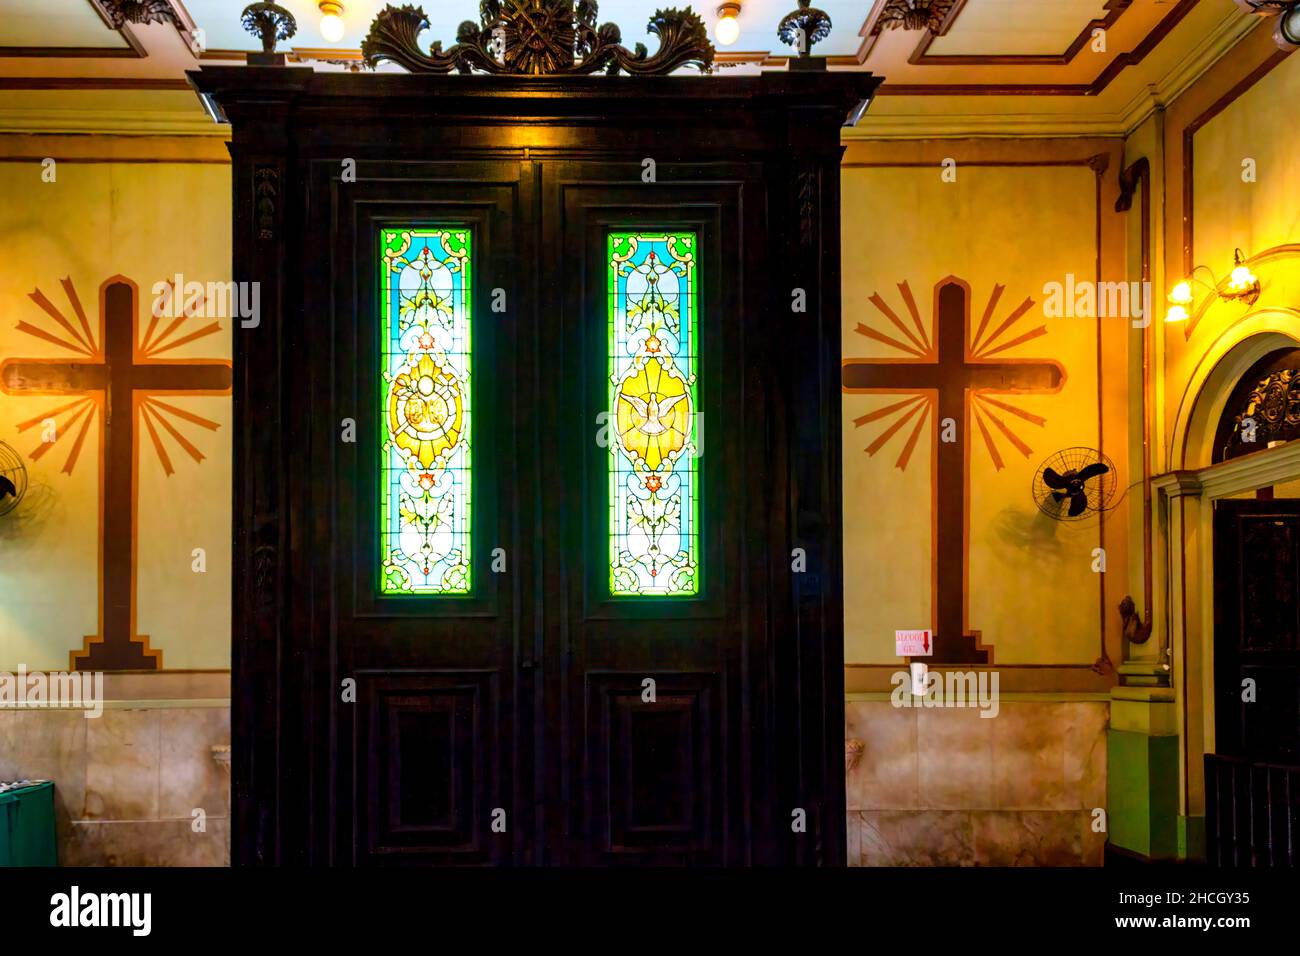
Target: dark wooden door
[537,717]
[1257,629]
[541,717]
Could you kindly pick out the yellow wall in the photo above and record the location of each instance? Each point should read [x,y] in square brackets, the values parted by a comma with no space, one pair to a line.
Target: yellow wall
[1230,116]
[1021,216]
[146,221]
[1201,209]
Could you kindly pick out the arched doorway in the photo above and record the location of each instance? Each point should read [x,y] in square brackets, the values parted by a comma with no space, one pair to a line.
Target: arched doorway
[1230,517]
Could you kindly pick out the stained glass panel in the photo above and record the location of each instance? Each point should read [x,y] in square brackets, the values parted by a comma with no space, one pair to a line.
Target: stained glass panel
[425,488]
[653,409]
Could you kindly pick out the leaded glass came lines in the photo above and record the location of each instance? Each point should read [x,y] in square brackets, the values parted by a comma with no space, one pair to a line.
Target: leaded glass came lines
[425,486]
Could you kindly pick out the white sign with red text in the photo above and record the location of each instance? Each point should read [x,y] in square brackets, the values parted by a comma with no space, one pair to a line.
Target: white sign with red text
[913,643]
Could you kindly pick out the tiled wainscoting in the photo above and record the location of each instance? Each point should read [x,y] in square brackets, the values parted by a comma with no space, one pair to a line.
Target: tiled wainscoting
[128,783]
[946,787]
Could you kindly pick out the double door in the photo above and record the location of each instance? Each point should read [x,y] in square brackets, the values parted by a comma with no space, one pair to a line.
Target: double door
[535,517]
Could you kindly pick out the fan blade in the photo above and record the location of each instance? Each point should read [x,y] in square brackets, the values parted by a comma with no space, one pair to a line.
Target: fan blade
[1092,471]
[7,487]
[1078,504]
[1053,480]
[1059,496]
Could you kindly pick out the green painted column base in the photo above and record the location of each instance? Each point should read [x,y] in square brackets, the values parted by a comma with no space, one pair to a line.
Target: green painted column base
[1142,795]
[1191,838]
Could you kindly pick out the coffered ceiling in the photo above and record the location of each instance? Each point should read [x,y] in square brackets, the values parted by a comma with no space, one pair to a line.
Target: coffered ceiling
[951,67]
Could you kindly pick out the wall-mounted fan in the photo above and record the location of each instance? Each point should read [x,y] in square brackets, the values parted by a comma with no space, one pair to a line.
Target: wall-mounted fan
[1074,482]
[13,479]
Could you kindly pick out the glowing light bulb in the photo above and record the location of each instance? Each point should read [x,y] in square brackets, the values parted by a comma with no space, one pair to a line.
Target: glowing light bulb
[1288,28]
[1181,294]
[332,26]
[1242,278]
[728,29]
[1176,313]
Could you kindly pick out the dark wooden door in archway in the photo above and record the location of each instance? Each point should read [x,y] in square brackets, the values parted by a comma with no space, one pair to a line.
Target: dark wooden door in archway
[539,715]
[1257,630]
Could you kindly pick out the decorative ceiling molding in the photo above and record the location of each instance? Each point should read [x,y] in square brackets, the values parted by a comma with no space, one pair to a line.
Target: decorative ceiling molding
[121,12]
[113,18]
[1117,65]
[1114,9]
[934,16]
[874,25]
[878,124]
[538,38]
[160,121]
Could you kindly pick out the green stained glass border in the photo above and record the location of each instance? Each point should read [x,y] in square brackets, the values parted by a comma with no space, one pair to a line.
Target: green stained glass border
[425,415]
[653,413]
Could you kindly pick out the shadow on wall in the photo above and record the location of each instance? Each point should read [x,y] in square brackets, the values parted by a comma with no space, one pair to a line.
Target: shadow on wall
[1020,530]
[32,513]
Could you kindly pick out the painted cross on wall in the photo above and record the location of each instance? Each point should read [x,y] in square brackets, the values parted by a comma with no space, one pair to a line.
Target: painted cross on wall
[120,378]
[957,378]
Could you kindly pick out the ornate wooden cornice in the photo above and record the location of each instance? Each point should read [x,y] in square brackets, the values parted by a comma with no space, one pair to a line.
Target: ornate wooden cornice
[535,38]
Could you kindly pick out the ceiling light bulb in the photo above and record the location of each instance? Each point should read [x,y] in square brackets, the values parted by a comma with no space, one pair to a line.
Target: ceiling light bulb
[728,30]
[332,26]
[1181,295]
[1288,29]
[1176,313]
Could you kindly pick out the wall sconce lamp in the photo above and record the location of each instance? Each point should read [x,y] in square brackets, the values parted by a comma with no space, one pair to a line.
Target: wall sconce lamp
[332,26]
[1242,286]
[1287,32]
[728,30]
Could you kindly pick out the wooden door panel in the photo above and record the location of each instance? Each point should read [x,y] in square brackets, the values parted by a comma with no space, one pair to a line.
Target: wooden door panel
[415,768]
[613,743]
[426,746]
[653,793]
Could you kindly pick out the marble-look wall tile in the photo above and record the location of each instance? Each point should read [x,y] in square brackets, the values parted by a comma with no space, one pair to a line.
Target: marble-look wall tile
[188,776]
[916,838]
[1029,757]
[1016,789]
[1093,841]
[885,776]
[122,763]
[48,745]
[955,758]
[145,843]
[1028,838]
[117,776]
[1085,753]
